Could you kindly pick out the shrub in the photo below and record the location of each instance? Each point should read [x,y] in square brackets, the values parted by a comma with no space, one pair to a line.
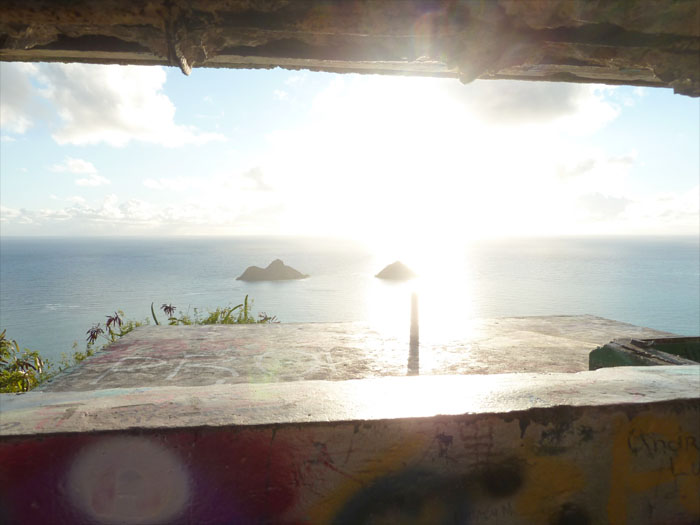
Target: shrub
[22,370]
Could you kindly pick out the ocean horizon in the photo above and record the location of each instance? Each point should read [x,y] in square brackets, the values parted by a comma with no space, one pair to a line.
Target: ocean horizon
[52,289]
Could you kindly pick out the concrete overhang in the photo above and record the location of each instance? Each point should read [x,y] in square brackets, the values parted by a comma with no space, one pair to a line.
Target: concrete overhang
[615,42]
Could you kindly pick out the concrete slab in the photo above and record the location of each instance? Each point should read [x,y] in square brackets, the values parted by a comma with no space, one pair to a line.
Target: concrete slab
[299,402]
[142,432]
[207,355]
[611,446]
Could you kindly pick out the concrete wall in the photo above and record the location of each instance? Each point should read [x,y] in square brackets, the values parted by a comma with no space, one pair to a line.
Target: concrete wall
[625,448]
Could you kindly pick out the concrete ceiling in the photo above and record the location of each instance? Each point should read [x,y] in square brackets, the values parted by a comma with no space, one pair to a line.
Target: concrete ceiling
[640,43]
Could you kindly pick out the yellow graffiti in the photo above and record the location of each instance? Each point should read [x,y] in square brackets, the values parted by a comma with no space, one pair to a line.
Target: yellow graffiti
[649,436]
[551,480]
[389,460]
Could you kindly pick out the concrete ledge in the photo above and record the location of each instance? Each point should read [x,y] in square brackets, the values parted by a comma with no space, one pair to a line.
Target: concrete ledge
[323,401]
[610,446]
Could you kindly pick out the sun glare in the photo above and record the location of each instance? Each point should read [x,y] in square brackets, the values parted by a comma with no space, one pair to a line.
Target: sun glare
[427,167]
[444,287]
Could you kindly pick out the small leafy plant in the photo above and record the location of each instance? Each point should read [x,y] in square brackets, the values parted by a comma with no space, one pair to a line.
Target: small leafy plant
[239,314]
[22,370]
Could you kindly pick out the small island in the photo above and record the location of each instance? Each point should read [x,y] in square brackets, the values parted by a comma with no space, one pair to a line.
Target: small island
[396,271]
[276,271]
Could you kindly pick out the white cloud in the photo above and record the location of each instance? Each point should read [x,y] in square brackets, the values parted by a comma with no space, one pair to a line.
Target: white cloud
[630,98]
[92,180]
[295,80]
[95,104]
[81,167]
[377,156]
[138,210]
[72,165]
[280,94]
[583,171]
[7,138]
[177,184]
[255,175]
[16,111]
[624,160]
[138,216]
[9,214]
[602,207]
[674,208]
[568,170]
[581,108]
[383,154]
[220,187]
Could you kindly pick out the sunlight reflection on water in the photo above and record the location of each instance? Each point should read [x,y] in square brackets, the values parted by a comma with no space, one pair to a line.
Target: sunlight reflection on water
[445,289]
[646,281]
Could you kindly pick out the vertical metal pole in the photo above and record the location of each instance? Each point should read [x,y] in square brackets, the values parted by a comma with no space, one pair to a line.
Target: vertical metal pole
[413,356]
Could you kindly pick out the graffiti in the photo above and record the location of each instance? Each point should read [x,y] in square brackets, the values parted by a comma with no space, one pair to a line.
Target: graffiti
[477,441]
[570,514]
[494,513]
[185,367]
[170,370]
[186,363]
[653,444]
[654,452]
[504,479]
[552,440]
[410,496]
[194,476]
[585,433]
[444,442]
[138,363]
[128,480]
[416,495]
[323,458]
[450,469]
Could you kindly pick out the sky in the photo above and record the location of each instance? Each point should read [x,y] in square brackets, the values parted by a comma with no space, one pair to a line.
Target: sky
[89,150]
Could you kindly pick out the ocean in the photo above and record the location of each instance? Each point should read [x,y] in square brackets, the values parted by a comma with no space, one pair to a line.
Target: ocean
[53,289]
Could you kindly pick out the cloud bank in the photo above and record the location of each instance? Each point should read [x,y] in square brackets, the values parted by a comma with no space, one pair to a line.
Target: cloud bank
[97,104]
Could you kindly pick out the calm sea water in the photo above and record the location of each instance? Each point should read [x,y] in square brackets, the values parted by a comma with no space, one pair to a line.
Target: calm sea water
[52,290]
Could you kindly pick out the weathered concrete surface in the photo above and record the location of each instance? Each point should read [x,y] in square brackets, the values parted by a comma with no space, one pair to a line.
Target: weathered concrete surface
[618,41]
[612,446]
[617,445]
[41,412]
[205,355]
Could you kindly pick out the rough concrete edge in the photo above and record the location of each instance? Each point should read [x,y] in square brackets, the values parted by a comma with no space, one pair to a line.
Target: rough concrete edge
[557,415]
[346,398]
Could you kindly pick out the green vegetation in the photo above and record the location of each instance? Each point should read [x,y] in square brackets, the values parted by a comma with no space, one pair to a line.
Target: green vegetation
[239,314]
[22,370]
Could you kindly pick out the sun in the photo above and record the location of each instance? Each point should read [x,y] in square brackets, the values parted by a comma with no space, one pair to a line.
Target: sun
[445,286]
